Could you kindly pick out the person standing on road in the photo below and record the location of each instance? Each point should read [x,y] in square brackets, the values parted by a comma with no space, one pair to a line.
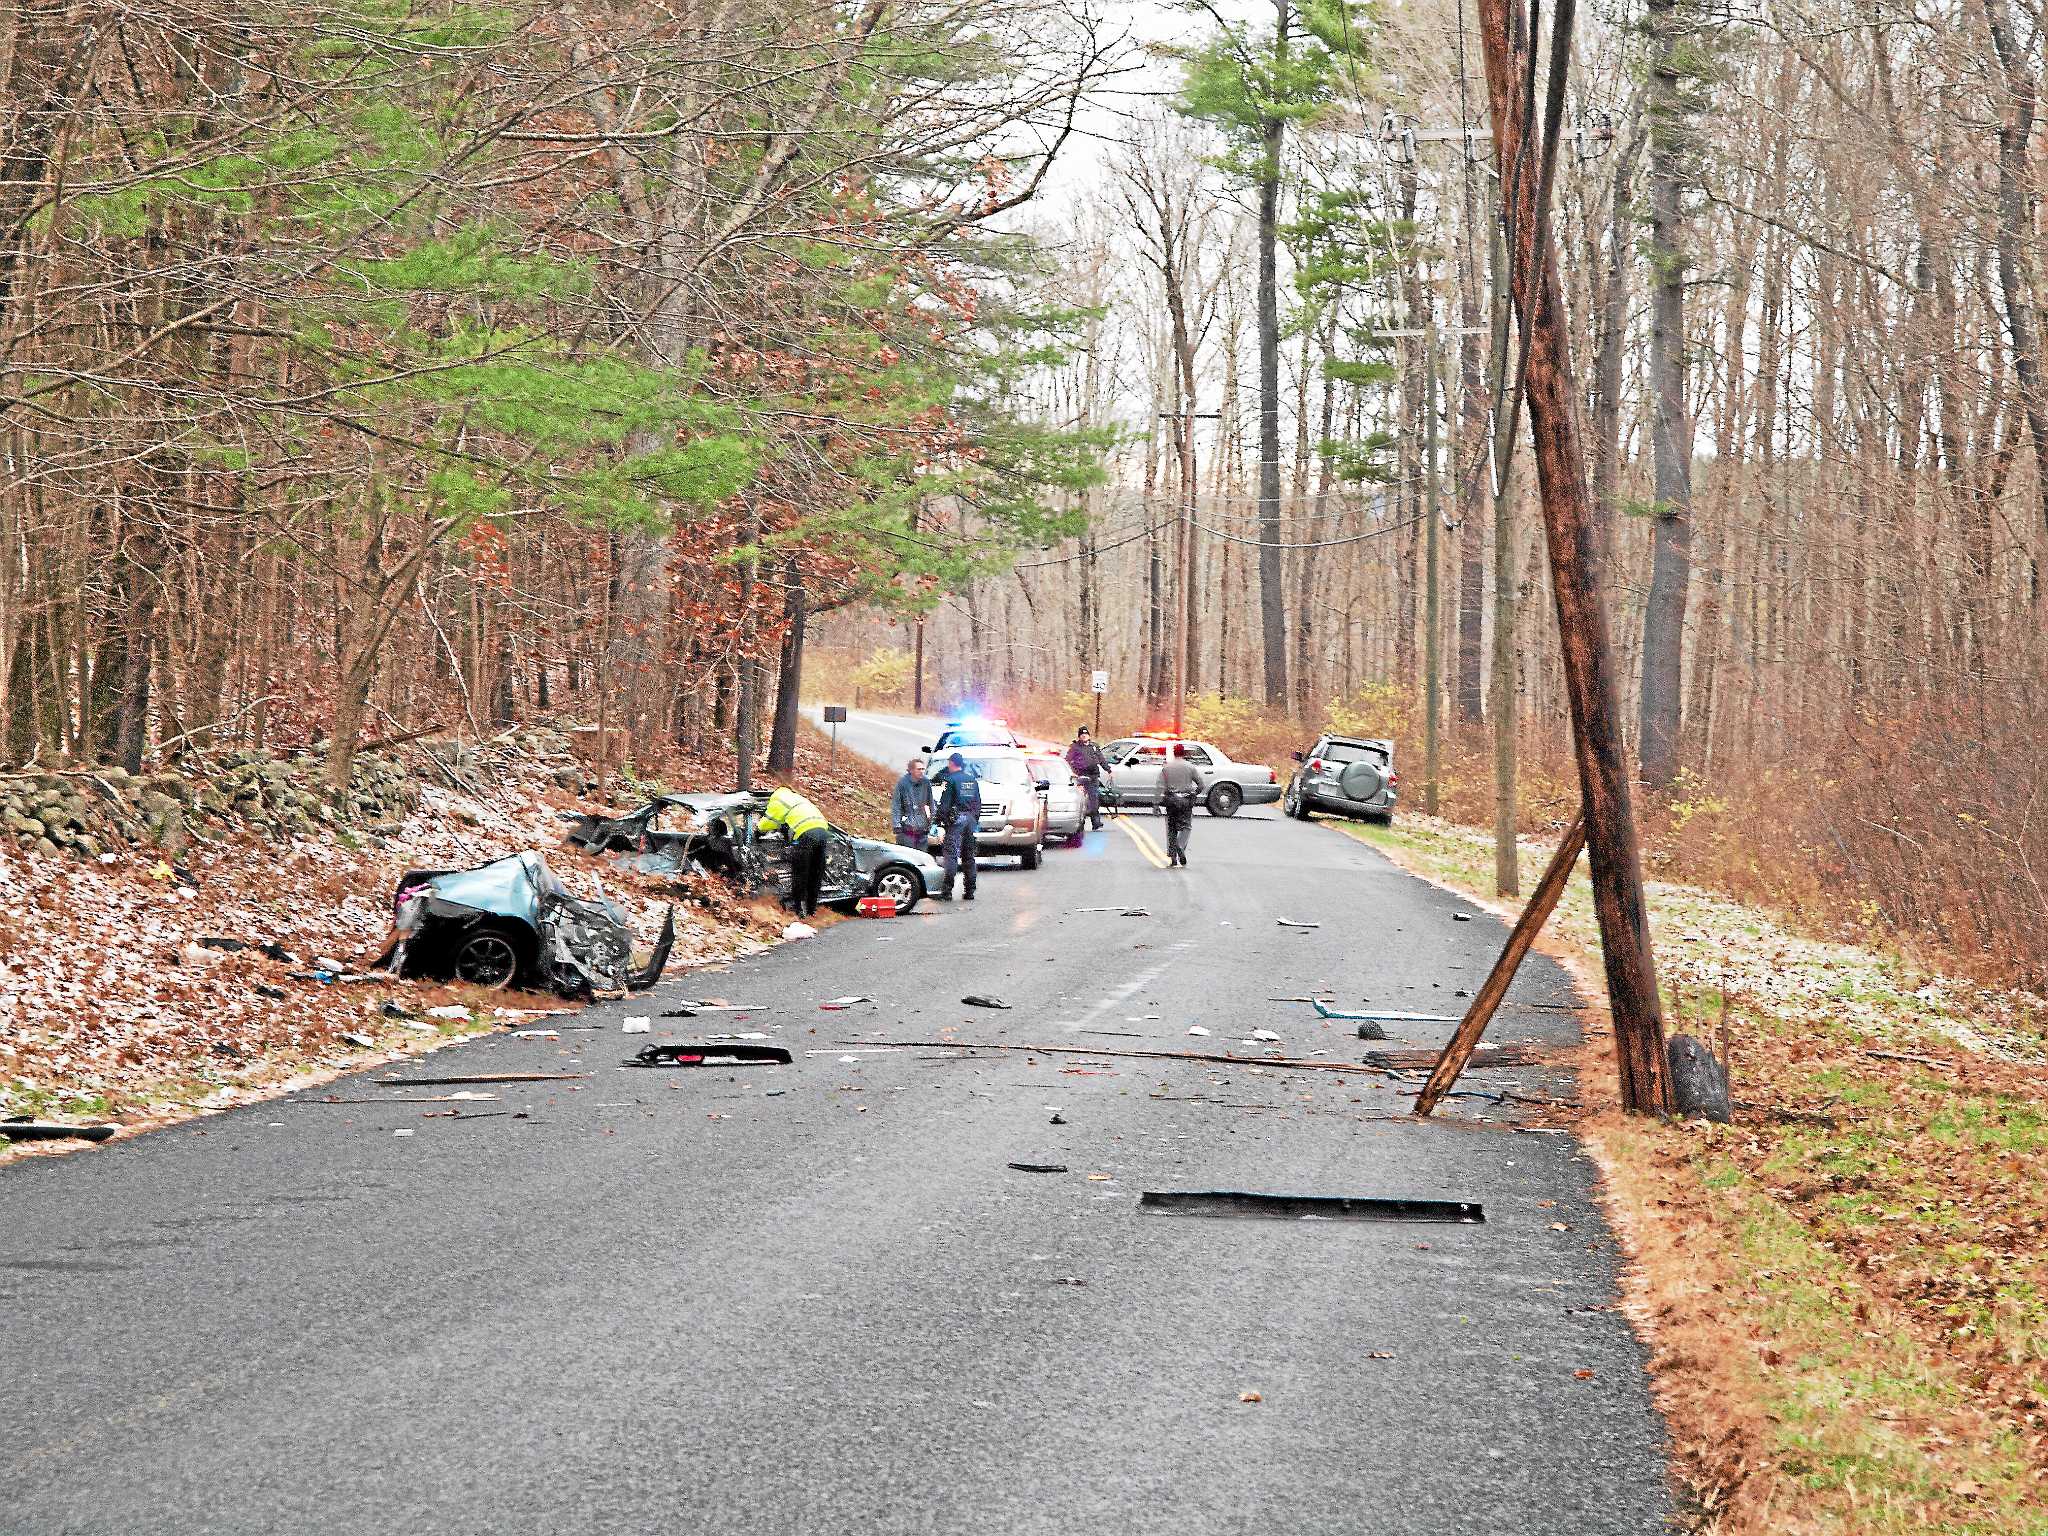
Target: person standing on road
[1089,765]
[1180,786]
[804,825]
[960,815]
[911,814]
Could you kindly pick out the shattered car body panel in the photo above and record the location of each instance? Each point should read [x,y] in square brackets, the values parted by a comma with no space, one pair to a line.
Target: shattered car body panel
[512,922]
[719,833]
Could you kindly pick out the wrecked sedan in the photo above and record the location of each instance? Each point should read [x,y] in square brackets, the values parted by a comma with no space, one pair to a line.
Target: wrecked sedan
[512,922]
[718,834]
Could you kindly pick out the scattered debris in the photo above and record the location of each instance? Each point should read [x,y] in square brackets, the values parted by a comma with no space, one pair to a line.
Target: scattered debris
[688,1010]
[1288,922]
[445,1011]
[1253,1396]
[481,1077]
[1039,1167]
[1196,1029]
[360,1042]
[22,1128]
[1265,1036]
[267,950]
[1057,1119]
[799,931]
[1248,1204]
[393,1011]
[637,1026]
[976,1000]
[1133,912]
[708,1054]
[536,1034]
[1461,917]
[401,1133]
[1371,1032]
[837,1004]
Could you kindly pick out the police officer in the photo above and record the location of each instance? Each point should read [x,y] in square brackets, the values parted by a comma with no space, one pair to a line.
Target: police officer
[960,814]
[1089,765]
[1180,786]
[804,824]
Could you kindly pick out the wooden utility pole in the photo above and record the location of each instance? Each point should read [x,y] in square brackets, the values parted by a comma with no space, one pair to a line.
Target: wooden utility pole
[1465,1039]
[1584,643]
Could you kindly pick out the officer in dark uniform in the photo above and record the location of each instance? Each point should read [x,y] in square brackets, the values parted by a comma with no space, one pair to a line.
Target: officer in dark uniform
[960,814]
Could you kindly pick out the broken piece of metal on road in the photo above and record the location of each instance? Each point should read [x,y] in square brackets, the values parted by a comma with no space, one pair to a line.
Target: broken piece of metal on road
[480,1077]
[837,1004]
[1279,1063]
[26,1129]
[690,1010]
[1038,1167]
[1373,1015]
[976,1000]
[709,1054]
[1247,1204]
[1288,922]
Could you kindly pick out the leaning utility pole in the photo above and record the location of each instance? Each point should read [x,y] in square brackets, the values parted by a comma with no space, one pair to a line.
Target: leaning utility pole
[1526,165]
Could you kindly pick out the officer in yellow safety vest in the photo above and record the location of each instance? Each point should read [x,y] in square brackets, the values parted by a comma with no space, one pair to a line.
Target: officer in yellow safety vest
[804,824]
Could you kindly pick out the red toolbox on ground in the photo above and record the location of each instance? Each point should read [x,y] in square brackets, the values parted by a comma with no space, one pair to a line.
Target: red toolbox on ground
[876,906]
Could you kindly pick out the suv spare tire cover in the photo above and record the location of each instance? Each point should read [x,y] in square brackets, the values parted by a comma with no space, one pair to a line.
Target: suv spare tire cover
[1361,781]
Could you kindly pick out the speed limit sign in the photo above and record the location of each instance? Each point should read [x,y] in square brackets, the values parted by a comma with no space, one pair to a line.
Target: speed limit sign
[1099,683]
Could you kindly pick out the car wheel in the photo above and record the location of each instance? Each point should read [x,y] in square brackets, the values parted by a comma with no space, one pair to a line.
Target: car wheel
[489,957]
[900,883]
[1224,800]
[1033,856]
[1297,806]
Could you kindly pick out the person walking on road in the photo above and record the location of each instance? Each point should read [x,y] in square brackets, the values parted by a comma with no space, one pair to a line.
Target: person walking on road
[960,815]
[804,825]
[1180,786]
[911,814]
[1089,765]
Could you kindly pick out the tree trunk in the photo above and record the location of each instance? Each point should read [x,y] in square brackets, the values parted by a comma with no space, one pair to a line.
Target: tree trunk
[789,673]
[1272,574]
[1662,699]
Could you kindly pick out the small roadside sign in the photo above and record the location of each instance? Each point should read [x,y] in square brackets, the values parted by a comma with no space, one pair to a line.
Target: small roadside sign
[1099,683]
[835,714]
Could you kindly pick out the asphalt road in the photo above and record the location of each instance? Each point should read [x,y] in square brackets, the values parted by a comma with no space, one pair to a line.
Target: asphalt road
[814,1299]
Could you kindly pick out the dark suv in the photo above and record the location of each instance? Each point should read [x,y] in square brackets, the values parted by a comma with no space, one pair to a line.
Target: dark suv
[1350,775]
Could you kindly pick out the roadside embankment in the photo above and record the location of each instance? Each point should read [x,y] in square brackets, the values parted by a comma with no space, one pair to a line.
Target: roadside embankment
[1842,1289]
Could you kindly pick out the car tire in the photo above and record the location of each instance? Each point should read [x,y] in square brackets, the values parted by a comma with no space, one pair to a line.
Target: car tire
[486,957]
[899,881]
[1300,810]
[1224,800]
[1033,856]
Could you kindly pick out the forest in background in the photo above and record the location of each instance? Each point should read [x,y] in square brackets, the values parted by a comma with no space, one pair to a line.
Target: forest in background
[1801,252]
[375,368]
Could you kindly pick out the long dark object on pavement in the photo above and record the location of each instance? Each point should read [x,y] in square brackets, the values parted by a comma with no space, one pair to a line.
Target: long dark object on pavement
[1288,1063]
[481,1077]
[53,1130]
[1542,902]
[1584,643]
[1517,1055]
[1243,1204]
[718,1054]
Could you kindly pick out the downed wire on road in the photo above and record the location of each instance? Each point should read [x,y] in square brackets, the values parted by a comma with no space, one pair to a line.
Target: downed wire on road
[1291,1064]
